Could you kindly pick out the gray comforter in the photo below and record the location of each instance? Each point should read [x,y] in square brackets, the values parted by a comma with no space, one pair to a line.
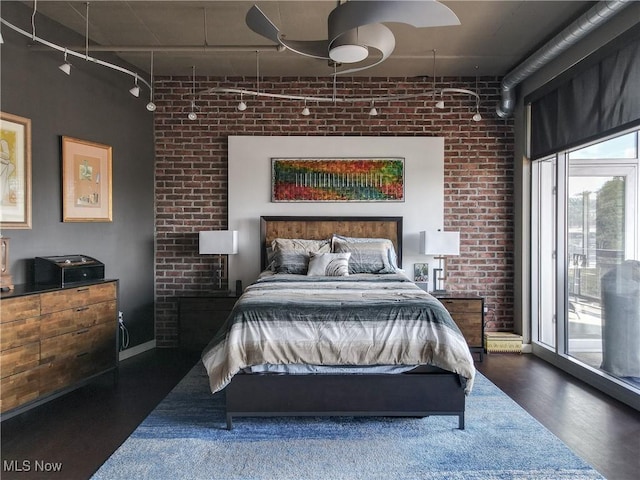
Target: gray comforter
[359,319]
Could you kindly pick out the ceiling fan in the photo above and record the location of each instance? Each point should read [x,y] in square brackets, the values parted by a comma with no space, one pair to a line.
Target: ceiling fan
[356,27]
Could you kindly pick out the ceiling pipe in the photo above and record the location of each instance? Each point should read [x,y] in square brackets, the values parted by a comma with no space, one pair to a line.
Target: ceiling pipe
[583,25]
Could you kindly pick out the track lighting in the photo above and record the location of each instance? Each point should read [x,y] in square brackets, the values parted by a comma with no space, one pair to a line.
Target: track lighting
[440,104]
[135,90]
[305,110]
[66,66]
[151,106]
[242,106]
[1,39]
[192,114]
[374,111]
[477,117]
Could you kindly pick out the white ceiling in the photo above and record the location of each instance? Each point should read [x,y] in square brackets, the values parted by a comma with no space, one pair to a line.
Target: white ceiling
[494,36]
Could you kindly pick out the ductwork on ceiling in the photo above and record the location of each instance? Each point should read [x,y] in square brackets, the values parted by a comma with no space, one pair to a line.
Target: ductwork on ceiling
[582,26]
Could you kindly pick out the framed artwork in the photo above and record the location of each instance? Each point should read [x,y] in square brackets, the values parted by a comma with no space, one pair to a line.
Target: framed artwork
[421,272]
[86,181]
[15,172]
[337,179]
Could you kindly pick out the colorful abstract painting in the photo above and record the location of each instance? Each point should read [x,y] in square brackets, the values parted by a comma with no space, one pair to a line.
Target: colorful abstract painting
[337,179]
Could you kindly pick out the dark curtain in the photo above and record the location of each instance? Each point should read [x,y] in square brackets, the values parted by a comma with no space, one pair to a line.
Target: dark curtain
[596,97]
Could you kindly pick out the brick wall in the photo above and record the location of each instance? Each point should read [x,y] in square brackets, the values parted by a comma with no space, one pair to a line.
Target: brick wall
[191,172]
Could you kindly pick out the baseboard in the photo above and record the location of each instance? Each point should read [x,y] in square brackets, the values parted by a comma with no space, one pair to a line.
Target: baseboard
[137,350]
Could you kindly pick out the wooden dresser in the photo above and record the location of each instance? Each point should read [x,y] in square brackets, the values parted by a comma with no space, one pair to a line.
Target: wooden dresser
[53,340]
[468,313]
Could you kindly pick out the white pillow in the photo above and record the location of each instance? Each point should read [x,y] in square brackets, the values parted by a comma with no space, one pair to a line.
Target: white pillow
[329,264]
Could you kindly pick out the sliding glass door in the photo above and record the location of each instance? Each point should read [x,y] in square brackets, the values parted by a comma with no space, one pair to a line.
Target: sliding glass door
[585,262]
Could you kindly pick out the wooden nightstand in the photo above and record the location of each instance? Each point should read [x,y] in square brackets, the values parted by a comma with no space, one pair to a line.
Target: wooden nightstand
[468,313]
[200,317]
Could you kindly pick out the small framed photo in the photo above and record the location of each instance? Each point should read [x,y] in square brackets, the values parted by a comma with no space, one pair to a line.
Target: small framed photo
[86,181]
[15,172]
[421,272]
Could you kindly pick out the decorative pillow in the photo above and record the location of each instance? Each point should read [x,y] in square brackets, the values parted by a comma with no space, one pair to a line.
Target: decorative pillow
[329,264]
[368,255]
[291,255]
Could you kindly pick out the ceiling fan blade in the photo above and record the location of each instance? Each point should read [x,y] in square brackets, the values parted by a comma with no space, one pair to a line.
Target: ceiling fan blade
[374,36]
[419,13]
[259,23]
[309,48]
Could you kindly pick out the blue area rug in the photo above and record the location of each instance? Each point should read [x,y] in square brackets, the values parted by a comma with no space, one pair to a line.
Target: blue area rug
[185,438]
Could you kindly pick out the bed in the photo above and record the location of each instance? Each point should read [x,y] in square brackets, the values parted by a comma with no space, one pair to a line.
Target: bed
[336,344]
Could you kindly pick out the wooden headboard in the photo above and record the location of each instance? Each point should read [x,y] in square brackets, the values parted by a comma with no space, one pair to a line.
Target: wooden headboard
[317,228]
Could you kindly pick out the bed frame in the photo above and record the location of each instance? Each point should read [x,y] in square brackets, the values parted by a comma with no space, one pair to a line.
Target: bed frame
[421,392]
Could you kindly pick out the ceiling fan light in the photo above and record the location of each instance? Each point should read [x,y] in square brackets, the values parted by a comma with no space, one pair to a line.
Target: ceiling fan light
[66,68]
[348,53]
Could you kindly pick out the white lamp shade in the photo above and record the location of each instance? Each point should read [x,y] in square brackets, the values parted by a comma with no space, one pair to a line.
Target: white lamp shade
[218,242]
[440,243]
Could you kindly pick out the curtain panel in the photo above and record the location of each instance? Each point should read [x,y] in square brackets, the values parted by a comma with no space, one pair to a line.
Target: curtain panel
[596,97]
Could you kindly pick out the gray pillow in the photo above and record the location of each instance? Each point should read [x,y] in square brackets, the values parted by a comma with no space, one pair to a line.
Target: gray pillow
[291,255]
[368,255]
[329,264]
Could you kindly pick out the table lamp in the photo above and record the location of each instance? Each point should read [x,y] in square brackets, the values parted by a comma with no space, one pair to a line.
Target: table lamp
[439,244]
[218,242]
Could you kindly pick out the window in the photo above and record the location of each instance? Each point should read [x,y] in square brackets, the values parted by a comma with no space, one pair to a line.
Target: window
[585,244]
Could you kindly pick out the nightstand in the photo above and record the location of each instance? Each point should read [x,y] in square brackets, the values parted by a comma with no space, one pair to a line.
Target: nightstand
[200,317]
[468,313]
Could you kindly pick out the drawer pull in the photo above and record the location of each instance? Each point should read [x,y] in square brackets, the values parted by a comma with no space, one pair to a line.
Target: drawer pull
[82,309]
[82,354]
[80,332]
[85,289]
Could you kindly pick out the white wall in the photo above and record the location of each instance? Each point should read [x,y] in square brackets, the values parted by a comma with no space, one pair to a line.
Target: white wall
[250,189]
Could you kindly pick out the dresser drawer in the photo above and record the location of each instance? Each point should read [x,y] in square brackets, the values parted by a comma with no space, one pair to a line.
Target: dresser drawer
[70,320]
[20,332]
[18,308]
[19,359]
[76,297]
[460,305]
[19,389]
[79,343]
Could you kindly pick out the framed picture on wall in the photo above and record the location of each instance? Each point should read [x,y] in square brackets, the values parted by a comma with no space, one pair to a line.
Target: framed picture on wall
[337,179]
[15,172]
[86,181]
[421,272]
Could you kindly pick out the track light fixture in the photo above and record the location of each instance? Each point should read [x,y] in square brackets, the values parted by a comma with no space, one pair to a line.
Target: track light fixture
[192,114]
[151,106]
[305,111]
[440,104]
[374,111]
[66,66]
[135,90]
[477,117]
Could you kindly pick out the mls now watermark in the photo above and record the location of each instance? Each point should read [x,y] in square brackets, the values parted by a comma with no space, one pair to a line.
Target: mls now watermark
[30,466]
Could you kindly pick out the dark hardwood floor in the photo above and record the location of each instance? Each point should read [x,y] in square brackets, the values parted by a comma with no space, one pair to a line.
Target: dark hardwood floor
[82,429]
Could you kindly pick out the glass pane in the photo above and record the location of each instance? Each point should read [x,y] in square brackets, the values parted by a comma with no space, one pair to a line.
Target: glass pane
[596,237]
[544,250]
[625,146]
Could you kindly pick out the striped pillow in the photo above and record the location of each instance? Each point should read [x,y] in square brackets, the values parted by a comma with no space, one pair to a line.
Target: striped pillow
[329,264]
[291,255]
[370,256]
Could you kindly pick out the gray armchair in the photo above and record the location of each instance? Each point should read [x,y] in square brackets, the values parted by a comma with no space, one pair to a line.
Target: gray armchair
[621,320]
